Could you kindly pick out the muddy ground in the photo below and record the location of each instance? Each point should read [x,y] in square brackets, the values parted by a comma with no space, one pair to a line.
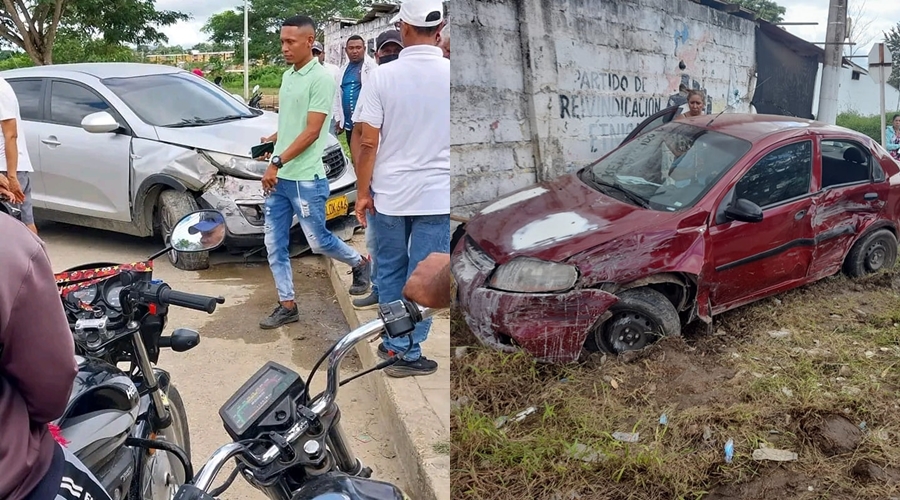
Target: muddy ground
[814,372]
[232,347]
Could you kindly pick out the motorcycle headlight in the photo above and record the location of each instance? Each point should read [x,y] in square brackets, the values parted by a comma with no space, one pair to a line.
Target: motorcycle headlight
[237,166]
[530,275]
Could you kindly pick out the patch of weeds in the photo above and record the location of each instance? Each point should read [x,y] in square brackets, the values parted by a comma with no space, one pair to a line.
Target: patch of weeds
[840,357]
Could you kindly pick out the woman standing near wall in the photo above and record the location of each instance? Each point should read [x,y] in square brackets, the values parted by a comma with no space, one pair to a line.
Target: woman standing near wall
[892,137]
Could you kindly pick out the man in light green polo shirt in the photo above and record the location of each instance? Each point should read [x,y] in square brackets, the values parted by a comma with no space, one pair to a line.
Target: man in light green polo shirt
[295,181]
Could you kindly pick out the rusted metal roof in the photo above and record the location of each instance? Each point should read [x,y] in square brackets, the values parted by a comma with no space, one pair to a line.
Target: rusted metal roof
[375,11]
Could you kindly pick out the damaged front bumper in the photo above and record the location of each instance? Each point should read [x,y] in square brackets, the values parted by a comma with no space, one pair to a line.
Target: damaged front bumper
[242,203]
[551,327]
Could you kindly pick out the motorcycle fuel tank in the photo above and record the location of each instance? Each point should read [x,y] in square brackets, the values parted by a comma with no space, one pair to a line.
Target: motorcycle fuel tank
[337,486]
[101,413]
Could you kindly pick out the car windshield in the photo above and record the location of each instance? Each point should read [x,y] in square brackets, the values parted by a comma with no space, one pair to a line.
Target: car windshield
[669,168]
[177,100]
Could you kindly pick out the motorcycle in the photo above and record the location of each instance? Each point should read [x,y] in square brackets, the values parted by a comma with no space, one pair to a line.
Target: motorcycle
[130,427]
[255,98]
[290,446]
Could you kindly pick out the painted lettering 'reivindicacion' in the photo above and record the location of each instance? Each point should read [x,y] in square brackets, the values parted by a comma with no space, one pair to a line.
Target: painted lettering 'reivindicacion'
[603,106]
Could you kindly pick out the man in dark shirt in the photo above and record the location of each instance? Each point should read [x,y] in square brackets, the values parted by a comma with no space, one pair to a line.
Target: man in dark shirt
[350,81]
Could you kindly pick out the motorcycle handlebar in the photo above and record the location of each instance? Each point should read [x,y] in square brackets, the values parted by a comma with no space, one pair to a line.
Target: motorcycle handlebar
[203,480]
[188,300]
[163,294]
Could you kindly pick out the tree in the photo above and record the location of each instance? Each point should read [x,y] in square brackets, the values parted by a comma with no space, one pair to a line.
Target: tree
[33,25]
[765,9]
[860,23]
[265,17]
[892,40]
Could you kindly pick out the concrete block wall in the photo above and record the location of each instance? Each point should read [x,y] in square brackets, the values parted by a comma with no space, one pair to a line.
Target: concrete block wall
[490,138]
[336,36]
[543,87]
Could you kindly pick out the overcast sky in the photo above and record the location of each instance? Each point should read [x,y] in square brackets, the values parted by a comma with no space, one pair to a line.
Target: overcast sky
[883,14]
[188,33]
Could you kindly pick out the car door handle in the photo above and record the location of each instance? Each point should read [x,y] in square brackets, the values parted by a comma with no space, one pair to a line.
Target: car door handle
[51,141]
[871,196]
[799,215]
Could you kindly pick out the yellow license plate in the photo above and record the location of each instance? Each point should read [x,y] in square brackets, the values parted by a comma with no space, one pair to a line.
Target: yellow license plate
[336,207]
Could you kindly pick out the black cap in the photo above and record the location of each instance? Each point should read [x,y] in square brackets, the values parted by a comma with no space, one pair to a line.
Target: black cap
[389,36]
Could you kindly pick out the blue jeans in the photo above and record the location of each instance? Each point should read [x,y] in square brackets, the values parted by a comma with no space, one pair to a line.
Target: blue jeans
[371,248]
[400,243]
[306,200]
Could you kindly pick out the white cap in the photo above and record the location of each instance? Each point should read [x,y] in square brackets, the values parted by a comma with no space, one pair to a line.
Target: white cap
[417,12]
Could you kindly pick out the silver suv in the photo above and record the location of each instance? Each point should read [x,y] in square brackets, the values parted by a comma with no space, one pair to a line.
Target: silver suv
[133,147]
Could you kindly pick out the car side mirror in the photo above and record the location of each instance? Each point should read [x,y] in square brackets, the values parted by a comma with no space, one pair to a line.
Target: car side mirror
[744,210]
[100,123]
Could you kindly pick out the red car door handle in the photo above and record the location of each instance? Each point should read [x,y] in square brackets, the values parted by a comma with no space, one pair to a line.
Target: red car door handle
[871,196]
[799,215]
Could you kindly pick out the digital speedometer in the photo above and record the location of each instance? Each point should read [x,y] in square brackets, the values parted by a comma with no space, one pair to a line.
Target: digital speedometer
[263,402]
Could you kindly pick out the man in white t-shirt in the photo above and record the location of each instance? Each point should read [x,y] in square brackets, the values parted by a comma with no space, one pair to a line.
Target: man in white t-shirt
[318,51]
[404,166]
[14,161]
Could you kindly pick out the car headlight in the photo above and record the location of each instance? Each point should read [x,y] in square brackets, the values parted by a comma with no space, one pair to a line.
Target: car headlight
[237,166]
[526,274]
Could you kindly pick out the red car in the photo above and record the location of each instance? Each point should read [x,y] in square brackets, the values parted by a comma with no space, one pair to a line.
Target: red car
[685,220]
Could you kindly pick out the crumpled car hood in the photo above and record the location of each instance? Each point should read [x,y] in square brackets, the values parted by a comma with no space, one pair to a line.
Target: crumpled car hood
[556,220]
[235,137]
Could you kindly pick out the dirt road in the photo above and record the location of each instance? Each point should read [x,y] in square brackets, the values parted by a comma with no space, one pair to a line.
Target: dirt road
[232,347]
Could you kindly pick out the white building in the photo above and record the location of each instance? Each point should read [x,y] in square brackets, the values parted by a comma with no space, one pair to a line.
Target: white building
[859,93]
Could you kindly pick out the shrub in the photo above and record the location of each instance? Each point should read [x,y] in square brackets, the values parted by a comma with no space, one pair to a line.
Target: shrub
[868,125]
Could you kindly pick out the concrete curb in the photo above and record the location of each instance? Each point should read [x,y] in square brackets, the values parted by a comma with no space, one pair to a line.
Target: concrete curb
[405,424]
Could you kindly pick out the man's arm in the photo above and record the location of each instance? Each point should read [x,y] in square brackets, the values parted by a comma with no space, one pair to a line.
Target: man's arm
[355,141]
[37,335]
[429,283]
[10,145]
[367,147]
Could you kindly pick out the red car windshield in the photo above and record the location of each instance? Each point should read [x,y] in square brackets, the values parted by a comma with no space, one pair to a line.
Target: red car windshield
[669,168]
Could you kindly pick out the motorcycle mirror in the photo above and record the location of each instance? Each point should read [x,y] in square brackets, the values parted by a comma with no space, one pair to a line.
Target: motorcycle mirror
[199,231]
[255,88]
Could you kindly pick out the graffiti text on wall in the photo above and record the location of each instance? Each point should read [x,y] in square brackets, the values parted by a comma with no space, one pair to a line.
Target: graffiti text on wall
[591,106]
[578,106]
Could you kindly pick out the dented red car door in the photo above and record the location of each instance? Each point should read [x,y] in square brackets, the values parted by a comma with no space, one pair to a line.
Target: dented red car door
[853,195]
[752,259]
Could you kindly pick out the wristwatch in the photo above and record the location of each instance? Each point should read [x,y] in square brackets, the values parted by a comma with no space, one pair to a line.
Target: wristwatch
[276,161]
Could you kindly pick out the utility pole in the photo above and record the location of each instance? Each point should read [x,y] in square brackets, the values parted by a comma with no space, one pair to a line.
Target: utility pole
[247,55]
[880,62]
[831,67]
